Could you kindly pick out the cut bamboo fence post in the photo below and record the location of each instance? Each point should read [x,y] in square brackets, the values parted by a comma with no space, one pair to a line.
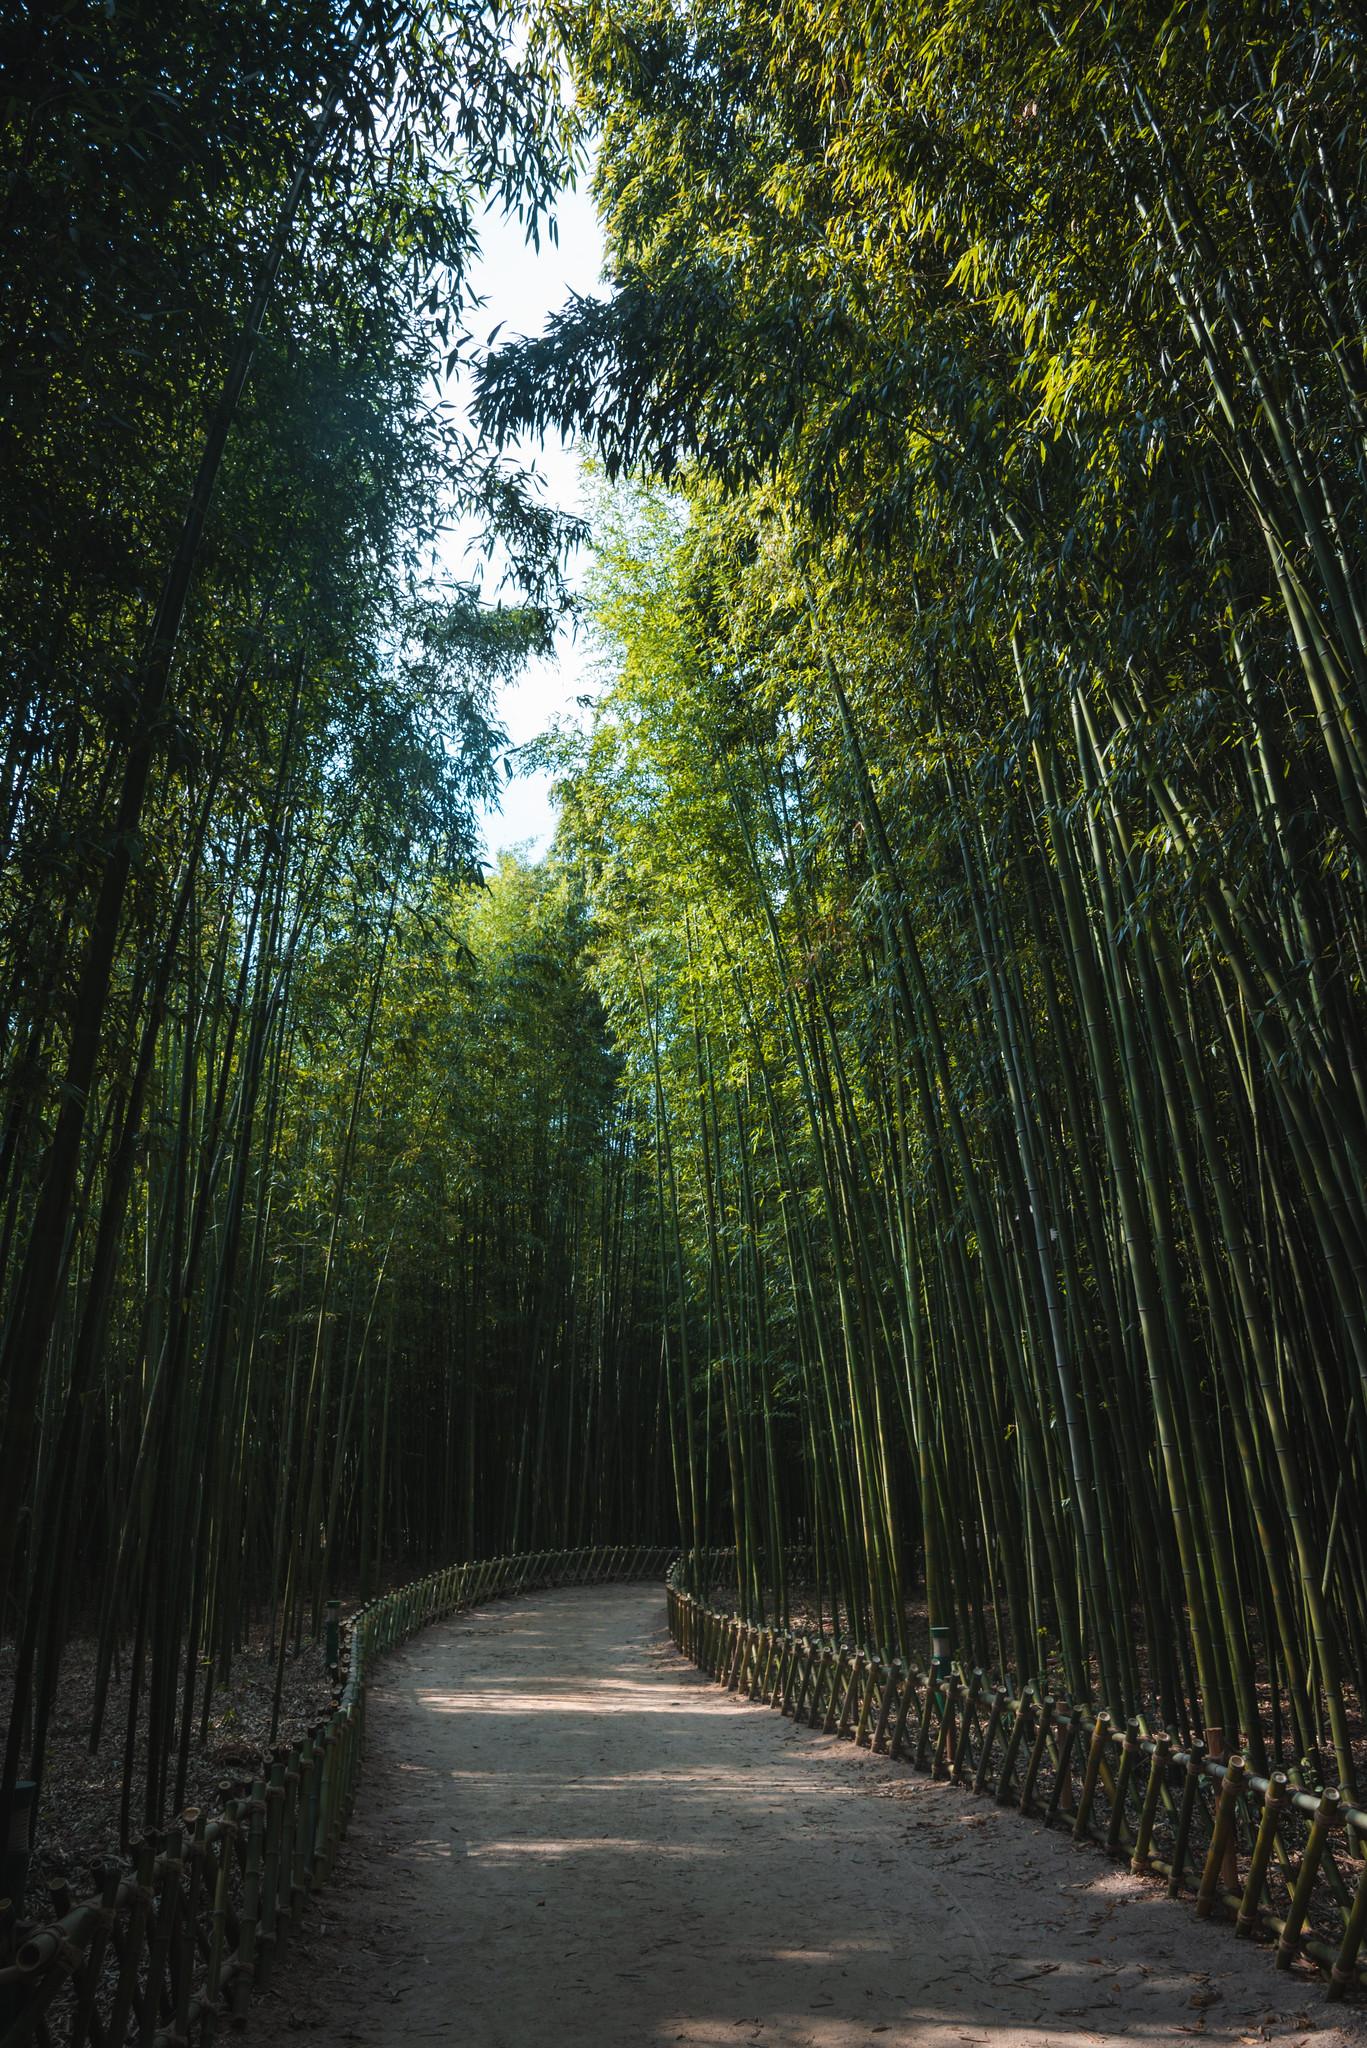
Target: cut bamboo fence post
[327,1767]
[885,1704]
[1274,1801]
[1096,1747]
[812,1680]
[787,1703]
[289,1824]
[783,1679]
[270,1869]
[1159,1763]
[1326,1815]
[736,1655]
[140,1900]
[805,1667]
[868,1695]
[1043,1730]
[168,1873]
[1020,1723]
[1344,1972]
[196,1854]
[944,1752]
[224,1835]
[88,1979]
[968,1721]
[851,1693]
[1221,1835]
[1191,1786]
[305,1824]
[817,1664]
[994,1721]
[927,1712]
[1130,1750]
[1061,1791]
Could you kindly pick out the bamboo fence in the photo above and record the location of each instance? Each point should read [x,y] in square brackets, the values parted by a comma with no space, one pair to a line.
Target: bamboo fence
[165,1951]
[1280,1859]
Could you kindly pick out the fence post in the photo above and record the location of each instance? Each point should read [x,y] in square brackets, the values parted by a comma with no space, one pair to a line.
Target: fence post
[1101,1729]
[889,1694]
[167,1879]
[218,1923]
[1220,1835]
[966,1719]
[1020,1721]
[1046,1722]
[183,1953]
[826,1665]
[140,1906]
[1115,1827]
[1344,1971]
[1190,1787]
[1326,1813]
[88,1979]
[947,1716]
[994,1721]
[270,1867]
[922,1754]
[1273,1800]
[1061,1795]
[1158,1772]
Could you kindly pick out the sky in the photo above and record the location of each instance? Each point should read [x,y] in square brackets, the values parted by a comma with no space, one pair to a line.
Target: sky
[520,286]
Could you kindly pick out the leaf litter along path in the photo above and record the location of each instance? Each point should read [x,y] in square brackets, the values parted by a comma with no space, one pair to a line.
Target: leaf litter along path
[565,1834]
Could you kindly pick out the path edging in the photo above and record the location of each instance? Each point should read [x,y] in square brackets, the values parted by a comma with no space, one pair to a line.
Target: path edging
[1061,1764]
[164,1952]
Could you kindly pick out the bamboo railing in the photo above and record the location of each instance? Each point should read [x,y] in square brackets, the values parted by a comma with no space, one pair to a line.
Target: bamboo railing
[1281,1859]
[167,1949]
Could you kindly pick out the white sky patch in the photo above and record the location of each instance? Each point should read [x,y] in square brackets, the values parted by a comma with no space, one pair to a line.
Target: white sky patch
[520,287]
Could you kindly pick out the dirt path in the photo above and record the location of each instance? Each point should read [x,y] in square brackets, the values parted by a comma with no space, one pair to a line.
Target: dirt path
[565,1835]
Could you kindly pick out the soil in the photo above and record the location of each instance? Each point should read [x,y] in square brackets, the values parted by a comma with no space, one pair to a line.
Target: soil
[808,1615]
[564,1831]
[78,1813]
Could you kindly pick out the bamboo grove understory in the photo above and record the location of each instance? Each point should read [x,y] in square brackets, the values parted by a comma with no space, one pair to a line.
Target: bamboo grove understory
[915,1114]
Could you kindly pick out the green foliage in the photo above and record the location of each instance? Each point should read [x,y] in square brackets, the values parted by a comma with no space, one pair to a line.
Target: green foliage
[917,1113]
[976,823]
[285,1179]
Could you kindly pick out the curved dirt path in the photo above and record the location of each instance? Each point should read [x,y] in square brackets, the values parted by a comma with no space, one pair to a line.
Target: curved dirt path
[566,1835]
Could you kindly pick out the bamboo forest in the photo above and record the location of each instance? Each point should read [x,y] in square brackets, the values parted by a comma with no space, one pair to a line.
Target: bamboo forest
[896,1153]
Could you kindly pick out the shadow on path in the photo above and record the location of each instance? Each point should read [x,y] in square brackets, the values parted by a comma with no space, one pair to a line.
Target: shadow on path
[566,1835]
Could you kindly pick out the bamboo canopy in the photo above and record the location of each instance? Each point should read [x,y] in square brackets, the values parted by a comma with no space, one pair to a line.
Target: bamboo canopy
[911,1129]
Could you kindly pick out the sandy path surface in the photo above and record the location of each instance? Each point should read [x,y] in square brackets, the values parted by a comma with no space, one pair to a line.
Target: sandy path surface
[566,1835]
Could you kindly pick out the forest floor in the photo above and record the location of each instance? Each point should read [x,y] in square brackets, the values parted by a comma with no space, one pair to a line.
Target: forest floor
[564,1832]
[78,1816]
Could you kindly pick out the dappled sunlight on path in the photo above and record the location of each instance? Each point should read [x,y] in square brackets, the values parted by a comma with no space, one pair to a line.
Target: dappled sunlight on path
[565,1834]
